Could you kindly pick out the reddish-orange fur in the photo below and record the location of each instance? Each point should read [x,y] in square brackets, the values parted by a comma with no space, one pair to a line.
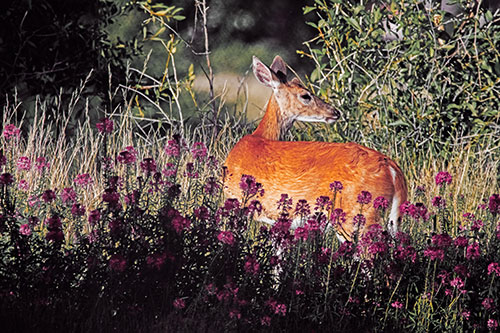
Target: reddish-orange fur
[305,170]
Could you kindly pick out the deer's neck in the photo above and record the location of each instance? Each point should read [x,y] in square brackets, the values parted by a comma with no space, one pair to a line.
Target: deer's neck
[273,125]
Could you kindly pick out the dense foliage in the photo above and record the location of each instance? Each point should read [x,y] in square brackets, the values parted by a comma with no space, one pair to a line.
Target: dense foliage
[409,70]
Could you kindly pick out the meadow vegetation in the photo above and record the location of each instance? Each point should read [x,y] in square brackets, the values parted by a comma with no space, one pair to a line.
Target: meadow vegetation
[123,226]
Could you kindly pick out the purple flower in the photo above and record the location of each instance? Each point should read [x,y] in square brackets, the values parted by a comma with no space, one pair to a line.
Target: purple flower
[180,223]
[443,178]
[24,163]
[494,268]
[11,131]
[172,148]
[285,203]
[323,202]
[25,229]
[434,253]
[41,164]
[55,236]
[127,156]
[77,210]
[117,263]
[359,220]
[3,159]
[255,207]
[301,233]
[492,324]
[397,305]
[94,216]
[442,240]
[461,241]
[473,251]
[364,197]
[6,179]
[226,237]
[494,204]
[48,196]
[336,186]
[438,202]
[302,208]
[105,126]
[211,186]
[170,170]
[148,165]
[476,225]
[68,195]
[83,179]
[488,303]
[380,203]
[251,266]
[250,187]
[338,217]
[179,303]
[417,211]
[199,151]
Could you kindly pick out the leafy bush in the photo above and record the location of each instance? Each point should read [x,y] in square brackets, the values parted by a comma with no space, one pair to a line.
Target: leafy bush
[409,72]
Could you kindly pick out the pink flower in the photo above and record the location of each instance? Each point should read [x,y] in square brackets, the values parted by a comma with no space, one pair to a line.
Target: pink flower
[336,186]
[226,237]
[397,305]
[277,308]
[48,196]
[438,202]
[359,220]
[492,324]
[442,240]
[77,210]
[94,216]
[23,163]
[179,303]
[494,268]
[476,225]
[461,241]
[11,131]
[41,164]
[457,283]
[364,197]
[250,187]
[434,253]
[265,321]
[156,260]
[68,195]
[465,314]
[172,148]
[117,263]
[180,223]
[488,303]
[170,170]
[83,179]
[417,211]
[25,229]
[473,251]
[199,151]
[127,156]
[148,165]
[23,185]
[302,208]
[252,266]
[443,178]
[494,204]
[301,233]
[380,203]
[105,126]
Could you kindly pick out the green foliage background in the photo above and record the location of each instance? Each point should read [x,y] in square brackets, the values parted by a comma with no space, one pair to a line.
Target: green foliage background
[430,82]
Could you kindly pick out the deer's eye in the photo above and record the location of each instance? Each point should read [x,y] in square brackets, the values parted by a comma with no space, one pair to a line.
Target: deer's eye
[305,98]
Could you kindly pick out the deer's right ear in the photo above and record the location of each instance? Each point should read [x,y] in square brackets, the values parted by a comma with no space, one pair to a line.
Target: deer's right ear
[264,75]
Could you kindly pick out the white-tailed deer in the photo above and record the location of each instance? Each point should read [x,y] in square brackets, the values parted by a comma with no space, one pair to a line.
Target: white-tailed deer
[305,170]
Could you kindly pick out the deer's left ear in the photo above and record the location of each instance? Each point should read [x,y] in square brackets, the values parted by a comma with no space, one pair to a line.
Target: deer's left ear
[264,74]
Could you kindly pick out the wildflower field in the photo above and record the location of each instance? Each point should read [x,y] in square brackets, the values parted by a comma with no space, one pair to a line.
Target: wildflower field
[122,225]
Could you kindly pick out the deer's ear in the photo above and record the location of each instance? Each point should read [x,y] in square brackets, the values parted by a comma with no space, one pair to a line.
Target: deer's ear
[279,67]
[264,74]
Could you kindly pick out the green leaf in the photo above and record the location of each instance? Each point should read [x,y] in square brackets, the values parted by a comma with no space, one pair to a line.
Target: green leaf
[308,9]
